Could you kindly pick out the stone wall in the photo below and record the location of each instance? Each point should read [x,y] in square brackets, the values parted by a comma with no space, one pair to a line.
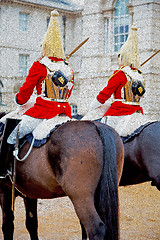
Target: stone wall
[98,66]
[14,42]
[92,66]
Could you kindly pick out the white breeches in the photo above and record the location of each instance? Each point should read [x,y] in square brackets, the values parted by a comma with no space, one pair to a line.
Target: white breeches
[40,127]
[94,114]
[26,126]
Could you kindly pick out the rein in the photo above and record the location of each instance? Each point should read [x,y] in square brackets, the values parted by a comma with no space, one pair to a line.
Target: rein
[24,195]
[16,151]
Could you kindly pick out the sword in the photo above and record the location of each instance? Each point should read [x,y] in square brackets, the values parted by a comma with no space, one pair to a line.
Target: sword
[149,58]
[75,50]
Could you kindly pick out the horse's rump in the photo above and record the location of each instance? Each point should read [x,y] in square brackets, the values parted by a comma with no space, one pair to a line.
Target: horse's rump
[79,160]
[75,144]
[142,157]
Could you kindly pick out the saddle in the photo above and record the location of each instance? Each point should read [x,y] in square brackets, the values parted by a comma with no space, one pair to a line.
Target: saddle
[135,133]
[37,142]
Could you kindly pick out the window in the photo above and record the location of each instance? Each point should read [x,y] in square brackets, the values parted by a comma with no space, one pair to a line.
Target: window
[48,19]
[1,85]
[106,30]
[63,2]
[74,109]
[0,18]
[23,65]
[23,21]
[120,23]
[64,32]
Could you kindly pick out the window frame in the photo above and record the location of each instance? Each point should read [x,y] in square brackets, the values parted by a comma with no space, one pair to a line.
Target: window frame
[120,24]
[23,68]
[47,22]
[23,22]
[1,86]
[106,37]
[74,108]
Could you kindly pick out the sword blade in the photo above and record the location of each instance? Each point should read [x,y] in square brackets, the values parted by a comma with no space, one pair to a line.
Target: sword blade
[149,58]
[76,49]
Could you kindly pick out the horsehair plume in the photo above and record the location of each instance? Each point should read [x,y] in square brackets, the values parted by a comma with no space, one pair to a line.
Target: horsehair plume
[52,43]
[129,52]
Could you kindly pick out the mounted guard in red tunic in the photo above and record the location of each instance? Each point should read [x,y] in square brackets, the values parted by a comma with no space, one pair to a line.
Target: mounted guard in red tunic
[120,99]
[51,78]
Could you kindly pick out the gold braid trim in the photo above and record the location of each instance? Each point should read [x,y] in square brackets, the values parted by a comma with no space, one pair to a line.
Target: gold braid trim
[115,73]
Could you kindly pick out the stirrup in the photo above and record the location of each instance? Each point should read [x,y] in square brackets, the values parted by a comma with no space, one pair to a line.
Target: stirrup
[2,177]
[8,173]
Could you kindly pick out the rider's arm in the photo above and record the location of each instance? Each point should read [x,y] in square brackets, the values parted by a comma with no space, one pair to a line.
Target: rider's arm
[37,73]
[114,86]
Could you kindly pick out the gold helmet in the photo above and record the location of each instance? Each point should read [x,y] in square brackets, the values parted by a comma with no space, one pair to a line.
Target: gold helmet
[52,43]
[129,52]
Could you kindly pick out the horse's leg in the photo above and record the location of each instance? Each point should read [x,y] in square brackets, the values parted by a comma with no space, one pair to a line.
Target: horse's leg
[89,217]
[148,153]
[153,168]
[7,213]
[31,217]
[84,234]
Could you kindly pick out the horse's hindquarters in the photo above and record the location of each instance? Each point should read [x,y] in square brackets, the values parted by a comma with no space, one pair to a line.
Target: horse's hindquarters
[35,177]
[79,160]
[76,155]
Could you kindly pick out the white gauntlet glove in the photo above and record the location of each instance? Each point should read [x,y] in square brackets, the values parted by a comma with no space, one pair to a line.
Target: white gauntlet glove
[95,104]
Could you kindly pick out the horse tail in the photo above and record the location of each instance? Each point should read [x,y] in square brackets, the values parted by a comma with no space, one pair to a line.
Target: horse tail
[106,196]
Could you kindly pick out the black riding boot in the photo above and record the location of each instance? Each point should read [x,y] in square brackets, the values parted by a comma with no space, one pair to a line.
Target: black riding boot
[6,150]
[1,128]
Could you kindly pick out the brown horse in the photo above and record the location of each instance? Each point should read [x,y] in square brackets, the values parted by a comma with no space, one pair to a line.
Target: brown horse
[142,157]
[8,214]
[82,160]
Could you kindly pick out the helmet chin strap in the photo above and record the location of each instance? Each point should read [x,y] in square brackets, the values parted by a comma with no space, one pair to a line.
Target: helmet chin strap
[120,60]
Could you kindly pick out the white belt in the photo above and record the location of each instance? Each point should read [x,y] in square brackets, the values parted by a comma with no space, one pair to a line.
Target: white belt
[52,99]
[124,101]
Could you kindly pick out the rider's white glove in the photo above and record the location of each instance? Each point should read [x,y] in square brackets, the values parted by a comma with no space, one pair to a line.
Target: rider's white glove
[95,104]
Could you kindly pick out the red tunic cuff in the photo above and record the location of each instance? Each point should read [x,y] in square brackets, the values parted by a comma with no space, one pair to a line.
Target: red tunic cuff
[17,101]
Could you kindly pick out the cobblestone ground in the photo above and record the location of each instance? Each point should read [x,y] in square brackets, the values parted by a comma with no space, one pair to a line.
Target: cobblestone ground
[139,216]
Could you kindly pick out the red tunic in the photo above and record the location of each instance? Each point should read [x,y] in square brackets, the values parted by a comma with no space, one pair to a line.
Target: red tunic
[114,86]
[42,108]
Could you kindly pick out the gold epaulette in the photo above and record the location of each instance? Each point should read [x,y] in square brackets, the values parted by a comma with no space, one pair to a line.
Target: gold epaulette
[38,59]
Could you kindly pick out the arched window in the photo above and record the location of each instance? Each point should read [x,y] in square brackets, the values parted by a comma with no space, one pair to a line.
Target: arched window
[120,23]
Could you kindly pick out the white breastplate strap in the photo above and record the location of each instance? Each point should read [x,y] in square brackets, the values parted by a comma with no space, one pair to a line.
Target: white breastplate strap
[133,75]
[55,66]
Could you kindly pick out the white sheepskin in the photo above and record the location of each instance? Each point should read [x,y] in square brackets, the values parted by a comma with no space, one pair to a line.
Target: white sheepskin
[44,128]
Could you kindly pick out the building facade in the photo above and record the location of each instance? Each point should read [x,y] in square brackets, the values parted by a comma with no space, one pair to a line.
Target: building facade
[105,22]
[23,25]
